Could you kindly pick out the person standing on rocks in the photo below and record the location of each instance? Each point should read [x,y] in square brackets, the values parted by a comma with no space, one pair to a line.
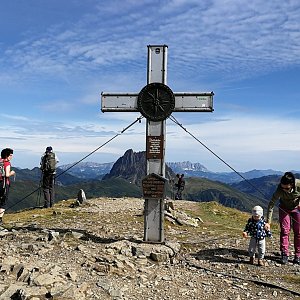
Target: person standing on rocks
[255,228]
[48,167]
[288,193]
[6,173]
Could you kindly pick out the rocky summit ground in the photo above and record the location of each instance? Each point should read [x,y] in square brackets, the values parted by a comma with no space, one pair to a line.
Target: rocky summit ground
[96,251]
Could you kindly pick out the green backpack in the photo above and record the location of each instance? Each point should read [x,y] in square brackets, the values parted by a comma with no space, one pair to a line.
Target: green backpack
[49,163]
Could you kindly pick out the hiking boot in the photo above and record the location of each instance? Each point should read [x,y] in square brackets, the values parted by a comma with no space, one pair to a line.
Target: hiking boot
[261,262]
[284,259]
[296,260]
[251,261]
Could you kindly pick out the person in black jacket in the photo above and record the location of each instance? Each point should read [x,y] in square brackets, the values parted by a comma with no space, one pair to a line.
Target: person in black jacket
[180,186]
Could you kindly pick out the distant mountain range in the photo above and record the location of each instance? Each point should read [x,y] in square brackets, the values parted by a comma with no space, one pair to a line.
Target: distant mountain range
[198,170]
[123,179]
[91,170]
[88,170]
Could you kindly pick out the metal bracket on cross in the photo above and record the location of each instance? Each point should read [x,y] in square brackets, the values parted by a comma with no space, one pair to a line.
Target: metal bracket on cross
[156,102]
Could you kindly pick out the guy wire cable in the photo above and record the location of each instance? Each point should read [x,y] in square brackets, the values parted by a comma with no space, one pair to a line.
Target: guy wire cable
[76,163]
[245,279]
[137,120]
[180,125]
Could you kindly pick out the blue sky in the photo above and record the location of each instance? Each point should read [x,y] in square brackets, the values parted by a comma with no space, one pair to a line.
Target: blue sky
[56,57]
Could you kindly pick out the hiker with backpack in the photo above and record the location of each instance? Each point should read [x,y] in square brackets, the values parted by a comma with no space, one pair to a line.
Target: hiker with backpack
[48,167]
[5,174]
[180,186]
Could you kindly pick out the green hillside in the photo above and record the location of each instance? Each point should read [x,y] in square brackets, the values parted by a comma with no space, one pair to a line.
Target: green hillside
[24,194]
[205,190]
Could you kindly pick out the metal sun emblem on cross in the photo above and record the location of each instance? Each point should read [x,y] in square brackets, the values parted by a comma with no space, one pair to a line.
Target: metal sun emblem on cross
[156,101]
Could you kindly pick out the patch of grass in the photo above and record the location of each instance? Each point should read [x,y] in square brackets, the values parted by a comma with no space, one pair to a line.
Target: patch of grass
[219,219]
[292,279]
[60,211]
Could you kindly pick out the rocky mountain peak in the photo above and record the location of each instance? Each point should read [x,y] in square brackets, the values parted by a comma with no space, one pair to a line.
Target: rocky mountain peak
[132,167]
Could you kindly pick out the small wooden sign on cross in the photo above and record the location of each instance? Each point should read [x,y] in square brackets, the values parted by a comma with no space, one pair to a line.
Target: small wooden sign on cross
[156,102]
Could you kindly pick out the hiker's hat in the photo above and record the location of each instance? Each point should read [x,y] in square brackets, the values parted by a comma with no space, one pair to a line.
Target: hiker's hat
[49,149]
[257,211]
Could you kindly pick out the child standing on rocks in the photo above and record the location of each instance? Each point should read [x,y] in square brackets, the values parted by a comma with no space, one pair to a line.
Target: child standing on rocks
[255,228]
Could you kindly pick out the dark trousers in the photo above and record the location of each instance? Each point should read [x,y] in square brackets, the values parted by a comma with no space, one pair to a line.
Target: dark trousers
[4,189]
[48,189]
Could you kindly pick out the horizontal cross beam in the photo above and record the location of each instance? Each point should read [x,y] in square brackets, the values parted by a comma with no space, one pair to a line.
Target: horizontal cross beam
[127,102]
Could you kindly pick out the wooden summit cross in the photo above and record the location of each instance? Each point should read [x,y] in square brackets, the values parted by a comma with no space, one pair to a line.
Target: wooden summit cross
[156,102]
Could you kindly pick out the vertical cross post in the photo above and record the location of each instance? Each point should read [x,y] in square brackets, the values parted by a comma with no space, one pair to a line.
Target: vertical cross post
[156,102]
[155,148]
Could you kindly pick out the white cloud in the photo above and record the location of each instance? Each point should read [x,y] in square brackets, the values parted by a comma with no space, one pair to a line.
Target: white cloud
[245,142]
[248,142]
[13,117]
[255,31]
